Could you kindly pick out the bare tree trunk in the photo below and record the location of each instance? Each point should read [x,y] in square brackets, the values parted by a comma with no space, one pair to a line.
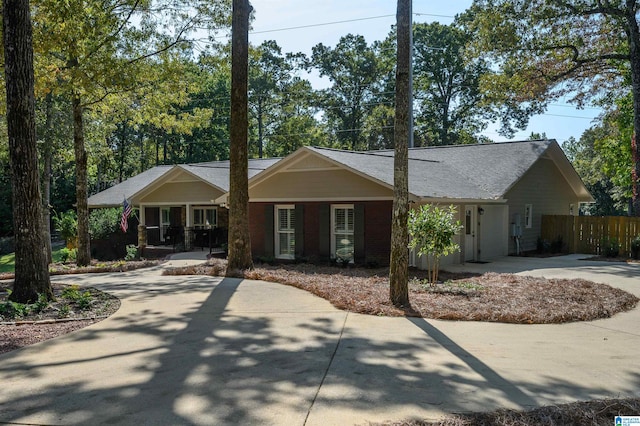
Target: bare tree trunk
[47,154]
[633,35]
[32,271]
[84,252]
[399,262]
[239,240]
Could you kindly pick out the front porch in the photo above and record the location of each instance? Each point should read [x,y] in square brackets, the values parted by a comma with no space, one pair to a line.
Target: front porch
[183,228]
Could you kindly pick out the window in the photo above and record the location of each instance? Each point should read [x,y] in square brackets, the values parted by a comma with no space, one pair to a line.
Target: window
[467,221]
[285,227]
[165,221]
[528,213]
[205,217]
[342,239]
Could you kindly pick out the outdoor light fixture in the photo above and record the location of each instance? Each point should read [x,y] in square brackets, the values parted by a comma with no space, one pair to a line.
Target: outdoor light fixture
[480,211]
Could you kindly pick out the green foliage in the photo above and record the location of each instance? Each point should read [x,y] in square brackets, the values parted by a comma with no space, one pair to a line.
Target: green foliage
[543,51]
[431,231]
[611,247]
[451,108]
[64,311]
[355,71]
[84,301]
[66,223]
[635,247]
[593,157]
[71,293]
[41,304]
[68,255]
[13,310]
[104,222]
[132,252]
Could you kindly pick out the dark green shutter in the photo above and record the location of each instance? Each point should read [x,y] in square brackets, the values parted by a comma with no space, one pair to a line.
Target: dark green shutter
[324,249]
[269,222]
[358,233]
[299,218]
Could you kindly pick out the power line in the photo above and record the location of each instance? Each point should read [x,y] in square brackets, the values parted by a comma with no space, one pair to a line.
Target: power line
[347,21]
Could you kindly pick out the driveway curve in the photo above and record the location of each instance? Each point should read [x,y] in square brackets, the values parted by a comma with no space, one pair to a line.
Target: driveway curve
[209,351]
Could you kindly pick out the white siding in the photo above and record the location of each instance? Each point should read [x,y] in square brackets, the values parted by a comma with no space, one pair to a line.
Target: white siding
[493,231]
[546,189]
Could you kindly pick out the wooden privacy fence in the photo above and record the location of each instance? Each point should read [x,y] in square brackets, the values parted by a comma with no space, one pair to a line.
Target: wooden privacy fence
[590,234]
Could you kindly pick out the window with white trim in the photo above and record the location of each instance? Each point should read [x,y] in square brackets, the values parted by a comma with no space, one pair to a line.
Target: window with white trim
[205,217]
[342,226]
[165,221]
[528,215]
[285,232]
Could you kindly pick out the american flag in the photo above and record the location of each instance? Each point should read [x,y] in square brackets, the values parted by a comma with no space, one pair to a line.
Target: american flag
[126,211]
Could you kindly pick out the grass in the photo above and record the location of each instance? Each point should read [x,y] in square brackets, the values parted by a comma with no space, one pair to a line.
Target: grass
[8,261]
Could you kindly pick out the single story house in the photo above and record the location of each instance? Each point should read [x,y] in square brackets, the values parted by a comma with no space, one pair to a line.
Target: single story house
[176,204]
[320,203]
[327,203]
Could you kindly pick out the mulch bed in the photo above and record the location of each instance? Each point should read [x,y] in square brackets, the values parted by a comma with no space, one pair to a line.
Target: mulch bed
[596,412]
[489,297]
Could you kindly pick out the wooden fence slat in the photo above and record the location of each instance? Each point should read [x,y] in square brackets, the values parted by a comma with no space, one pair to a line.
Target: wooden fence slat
[590,234]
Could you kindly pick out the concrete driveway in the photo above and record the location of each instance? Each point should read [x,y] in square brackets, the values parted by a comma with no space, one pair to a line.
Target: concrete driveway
[210,351]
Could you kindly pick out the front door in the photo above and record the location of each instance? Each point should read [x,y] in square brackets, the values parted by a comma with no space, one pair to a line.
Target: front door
[470,231]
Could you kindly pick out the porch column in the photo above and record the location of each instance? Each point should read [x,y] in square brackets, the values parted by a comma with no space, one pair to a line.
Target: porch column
[142,237]
[188,219]
[142,215]
[188,238]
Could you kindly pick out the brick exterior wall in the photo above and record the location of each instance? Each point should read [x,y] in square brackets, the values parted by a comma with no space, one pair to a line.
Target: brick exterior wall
[377,229]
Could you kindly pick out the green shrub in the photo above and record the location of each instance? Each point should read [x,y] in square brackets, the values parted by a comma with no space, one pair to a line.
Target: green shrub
[104,222]
[64,311]
[6,245]
[41,304]
[132,253]
[66,224]
[68,255]
[635,247]
[13,310]
[431,230]
[71,293]
[611,247]
[84,302]
[557,245]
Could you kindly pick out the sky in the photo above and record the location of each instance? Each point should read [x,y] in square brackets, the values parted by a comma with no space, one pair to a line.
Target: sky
[298,25]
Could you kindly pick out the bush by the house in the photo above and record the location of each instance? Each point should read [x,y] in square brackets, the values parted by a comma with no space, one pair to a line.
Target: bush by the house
[432,230]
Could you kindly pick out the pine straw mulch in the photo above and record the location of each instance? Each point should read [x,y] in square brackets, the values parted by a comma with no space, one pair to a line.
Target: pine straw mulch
[588,413]
[95,267]
[489,297]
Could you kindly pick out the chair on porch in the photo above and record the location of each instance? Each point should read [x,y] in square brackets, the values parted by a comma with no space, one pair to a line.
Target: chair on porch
[174,236]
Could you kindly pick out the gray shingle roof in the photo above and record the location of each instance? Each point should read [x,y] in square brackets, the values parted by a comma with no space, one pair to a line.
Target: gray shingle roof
[458,172]
[452,172]
[114,196]
[215,173]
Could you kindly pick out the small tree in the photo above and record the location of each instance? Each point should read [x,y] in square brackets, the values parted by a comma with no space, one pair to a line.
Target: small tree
[432,230]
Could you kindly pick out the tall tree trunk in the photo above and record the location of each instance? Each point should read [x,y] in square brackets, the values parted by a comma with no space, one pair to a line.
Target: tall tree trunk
[634,49]
[47,154]
[399,262]
[123,151]
[84,252]
[239,241]
[32,270]
[260,128]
